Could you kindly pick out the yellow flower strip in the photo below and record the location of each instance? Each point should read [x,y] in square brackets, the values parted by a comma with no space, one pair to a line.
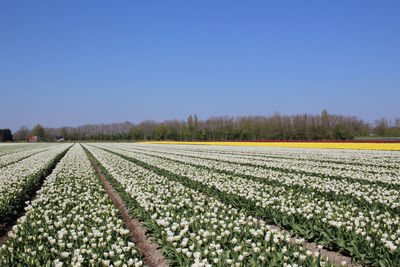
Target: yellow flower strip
[344,145]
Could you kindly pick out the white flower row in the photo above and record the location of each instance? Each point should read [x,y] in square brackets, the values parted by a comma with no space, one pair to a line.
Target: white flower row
[370,193]
[342,156]
[369,172]
[18,155]
[71,222]
[7,148]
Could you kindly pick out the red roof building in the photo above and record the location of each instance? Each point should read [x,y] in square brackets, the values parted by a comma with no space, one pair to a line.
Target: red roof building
[33,138]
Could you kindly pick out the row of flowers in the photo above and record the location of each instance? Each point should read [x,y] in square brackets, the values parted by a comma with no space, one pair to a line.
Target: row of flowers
[71,222]
[347,158]
[365,192]
[195,229]
[18,181]
[7,148]
[371,172]
[364,161]
[12,158]
[368,233]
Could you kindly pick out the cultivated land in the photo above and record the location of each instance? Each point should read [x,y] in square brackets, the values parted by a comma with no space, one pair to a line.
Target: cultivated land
[200,205]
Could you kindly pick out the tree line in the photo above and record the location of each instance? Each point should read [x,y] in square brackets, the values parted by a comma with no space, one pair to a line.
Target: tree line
[323,126]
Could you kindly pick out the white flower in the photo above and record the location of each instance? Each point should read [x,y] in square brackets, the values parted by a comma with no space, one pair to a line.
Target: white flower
[64,254]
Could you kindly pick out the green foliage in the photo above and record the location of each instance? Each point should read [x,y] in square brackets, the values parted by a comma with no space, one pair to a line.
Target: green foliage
[5,135]
[160,132]
[38,130]
[137,134]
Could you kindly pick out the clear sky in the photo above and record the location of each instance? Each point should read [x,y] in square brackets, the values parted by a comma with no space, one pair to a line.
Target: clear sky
[68,63]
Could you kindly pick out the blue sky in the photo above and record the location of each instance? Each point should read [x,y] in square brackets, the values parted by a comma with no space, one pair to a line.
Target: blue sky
[68,63]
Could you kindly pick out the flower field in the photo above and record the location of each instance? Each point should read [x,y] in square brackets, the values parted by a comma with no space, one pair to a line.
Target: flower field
[20,179]
[203,205]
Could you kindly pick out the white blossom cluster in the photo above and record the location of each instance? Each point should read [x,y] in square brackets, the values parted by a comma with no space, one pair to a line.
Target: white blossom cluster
[199,230]
[374,231]
[16,178]
[366,192]
[11,158]
[365,172]
[71,222]
[366,158]
[7,148]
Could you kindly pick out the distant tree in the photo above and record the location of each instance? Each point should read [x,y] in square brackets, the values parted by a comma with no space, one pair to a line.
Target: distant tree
[50,134]
[381,127]
[5,135]
[22,134]
[325,131]
[397,126]
[235,134]
[148,127]
[203,135]
[341,133]
[172,134]
[64,132]
[137,134]
[397,123]
[160,132]
[190,128]
[38,130]
[196,133]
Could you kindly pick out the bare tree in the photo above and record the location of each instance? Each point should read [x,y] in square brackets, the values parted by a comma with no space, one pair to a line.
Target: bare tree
[22,134]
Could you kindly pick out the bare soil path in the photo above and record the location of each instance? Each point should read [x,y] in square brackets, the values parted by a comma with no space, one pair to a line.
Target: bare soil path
[152,255]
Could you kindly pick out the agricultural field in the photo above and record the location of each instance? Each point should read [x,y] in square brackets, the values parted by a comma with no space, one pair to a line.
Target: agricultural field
[202,205]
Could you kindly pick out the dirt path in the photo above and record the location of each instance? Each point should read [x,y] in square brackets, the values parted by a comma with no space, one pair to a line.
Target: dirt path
[4,229]
[152,255]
